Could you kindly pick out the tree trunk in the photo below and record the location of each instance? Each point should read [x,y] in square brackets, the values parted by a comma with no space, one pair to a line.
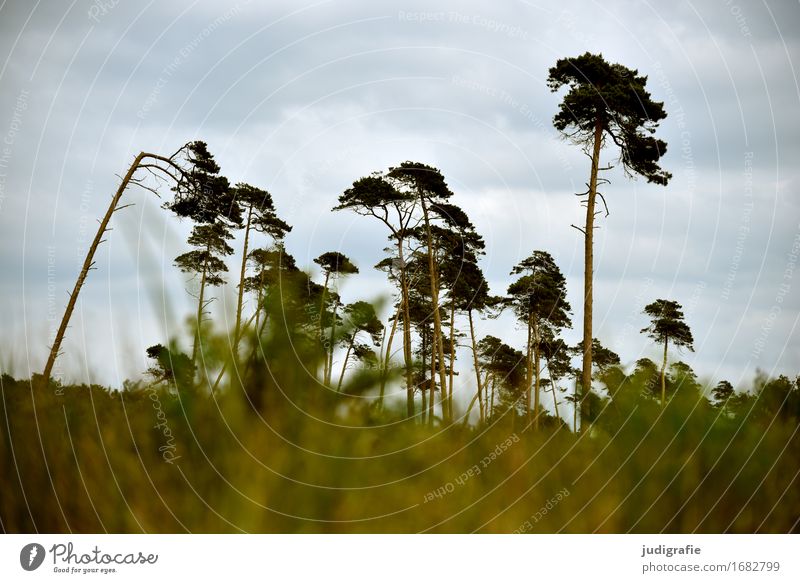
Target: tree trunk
[388,356]
[586,372]
[490,411]
[663,374]
[452,359]
[476,365]
[87,265]
[575,404]
[325,372]
[537,373]
[552,386]
[200,305]
[242,274]
[437,319]
[432,397]
[346,357]
[529,370]
[406,331]
[329,353]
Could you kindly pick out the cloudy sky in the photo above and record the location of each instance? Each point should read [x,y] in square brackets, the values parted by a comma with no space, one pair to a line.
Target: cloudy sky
[302,98]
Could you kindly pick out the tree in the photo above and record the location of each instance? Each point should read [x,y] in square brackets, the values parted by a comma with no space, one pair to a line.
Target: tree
[456,247]
[184,169]
[469,292]
[361,318]
[375,196]
[333,264]
[171,367]
[211,244]
[538,299]
[667,325]
[505,374]
[257,206]
[557,355]
[606,101]
[271,264]
[428,187]
[722,393]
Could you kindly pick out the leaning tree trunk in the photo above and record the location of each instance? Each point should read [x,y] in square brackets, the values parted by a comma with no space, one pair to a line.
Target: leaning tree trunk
[475,364]
[438,344]
[344,365]
[87,265]
[552,386]
[586,372]
[663,374]
[387,357]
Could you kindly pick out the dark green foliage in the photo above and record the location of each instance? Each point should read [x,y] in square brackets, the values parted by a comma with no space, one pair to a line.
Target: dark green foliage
[667,324]
[259,205]
[171,366]
[206,197]
[615,97]
[212,244]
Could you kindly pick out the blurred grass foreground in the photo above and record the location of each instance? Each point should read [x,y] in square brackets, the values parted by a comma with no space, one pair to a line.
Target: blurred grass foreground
[273,449]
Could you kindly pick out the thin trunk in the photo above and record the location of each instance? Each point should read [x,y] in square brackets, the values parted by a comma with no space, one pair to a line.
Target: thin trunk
[424,411]
[663,374]
[469,409]
[586,372]
[346,357]
[476,365]
[552,385]
[452,359]
[437,319]
[529,370]
[325,368]
[406,331]
[332,343]
[88,262]
[258,306]
[424,387]
[537,372]
[575,404]
[225,364]
[200,305]
[491,402]
[432,399]
[388,356]
[242,274]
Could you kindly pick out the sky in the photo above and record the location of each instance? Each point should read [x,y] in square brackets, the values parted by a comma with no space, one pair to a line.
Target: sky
[302,98]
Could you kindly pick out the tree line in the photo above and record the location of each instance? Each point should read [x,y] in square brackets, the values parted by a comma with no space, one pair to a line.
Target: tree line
[432,259]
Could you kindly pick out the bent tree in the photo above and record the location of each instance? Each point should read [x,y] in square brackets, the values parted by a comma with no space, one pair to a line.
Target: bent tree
[667,325]
[606,101]
[183,170]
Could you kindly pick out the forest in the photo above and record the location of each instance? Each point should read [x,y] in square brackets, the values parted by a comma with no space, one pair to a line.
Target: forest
[311,414]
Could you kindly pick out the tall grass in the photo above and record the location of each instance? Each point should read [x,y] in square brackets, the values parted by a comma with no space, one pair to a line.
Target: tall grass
[273,450]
